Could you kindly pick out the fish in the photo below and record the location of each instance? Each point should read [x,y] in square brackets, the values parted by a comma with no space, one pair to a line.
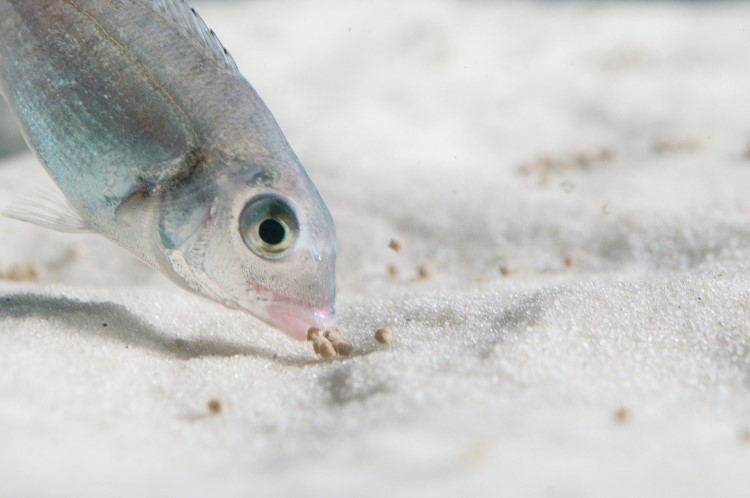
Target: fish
[158,143]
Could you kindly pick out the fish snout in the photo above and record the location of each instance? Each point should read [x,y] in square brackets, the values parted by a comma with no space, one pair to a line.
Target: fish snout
[296,319]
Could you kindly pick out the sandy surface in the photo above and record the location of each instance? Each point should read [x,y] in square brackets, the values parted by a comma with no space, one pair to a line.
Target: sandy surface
[577,178]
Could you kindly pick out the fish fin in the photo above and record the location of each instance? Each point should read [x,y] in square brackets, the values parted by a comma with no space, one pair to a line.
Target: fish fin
[180,14]
[131,211]
[48,209]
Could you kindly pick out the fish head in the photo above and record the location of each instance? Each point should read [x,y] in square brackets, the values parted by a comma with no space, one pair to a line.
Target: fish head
[262,240]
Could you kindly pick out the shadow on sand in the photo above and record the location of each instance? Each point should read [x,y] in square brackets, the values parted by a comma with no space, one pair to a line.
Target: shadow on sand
[115,321]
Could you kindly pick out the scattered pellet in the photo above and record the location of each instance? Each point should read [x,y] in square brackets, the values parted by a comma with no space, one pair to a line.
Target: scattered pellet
[71,254]
[393,271]
[329,343]
[569,261]
[397,245]
[334,334]
[214,406]
[384,335]
[544,166]
[547,162]
[326,349]
[664,147]
[505,270]
[21,273]
[342,348]
[313,332]
[425,271]
[623,415]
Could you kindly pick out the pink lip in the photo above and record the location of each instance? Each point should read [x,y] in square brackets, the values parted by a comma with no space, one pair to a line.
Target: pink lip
[295,320]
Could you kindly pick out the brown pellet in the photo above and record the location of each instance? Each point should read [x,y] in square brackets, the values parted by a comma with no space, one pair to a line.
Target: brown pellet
[326,350]
[214,406]
[678,146]
[334,334]
[342,348]
[623,415]
[384,335]
[313,332]
[21,273]
[425,271]
[397,245]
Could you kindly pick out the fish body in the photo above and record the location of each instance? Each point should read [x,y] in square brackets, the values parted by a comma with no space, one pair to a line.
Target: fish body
[158,143]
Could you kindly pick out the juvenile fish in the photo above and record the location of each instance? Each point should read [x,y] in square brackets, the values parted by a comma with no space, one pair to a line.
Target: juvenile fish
[141,117]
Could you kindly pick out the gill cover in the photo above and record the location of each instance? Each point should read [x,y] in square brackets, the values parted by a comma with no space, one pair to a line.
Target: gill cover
[264,247]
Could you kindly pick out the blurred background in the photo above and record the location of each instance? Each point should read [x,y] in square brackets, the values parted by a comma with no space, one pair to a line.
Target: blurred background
[11,140]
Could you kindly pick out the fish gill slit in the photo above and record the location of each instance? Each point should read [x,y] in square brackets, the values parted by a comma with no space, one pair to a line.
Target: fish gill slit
[193,162]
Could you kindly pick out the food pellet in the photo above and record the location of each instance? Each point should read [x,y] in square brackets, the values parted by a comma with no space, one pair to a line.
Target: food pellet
[623,415]
[326,350]
[21,273]
[425,271]
[313,332]
[214,406]
[384,335]
[397,245]
[505,271]
[334,334]
[569,261]
[393,271]
[329,343]
[342,348]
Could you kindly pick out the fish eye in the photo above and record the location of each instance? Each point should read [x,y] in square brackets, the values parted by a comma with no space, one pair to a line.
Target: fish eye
[269,226]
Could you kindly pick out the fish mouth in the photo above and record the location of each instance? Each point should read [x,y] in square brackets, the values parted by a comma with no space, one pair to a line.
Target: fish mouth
[292,316]
[295,319]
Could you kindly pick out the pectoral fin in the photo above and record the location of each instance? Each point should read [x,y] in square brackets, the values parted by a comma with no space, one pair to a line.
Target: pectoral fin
[48,209]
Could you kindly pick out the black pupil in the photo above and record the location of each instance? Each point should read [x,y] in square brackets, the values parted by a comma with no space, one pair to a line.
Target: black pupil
[271,232]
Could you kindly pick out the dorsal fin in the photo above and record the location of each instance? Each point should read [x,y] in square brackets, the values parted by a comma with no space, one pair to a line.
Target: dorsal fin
[181,15]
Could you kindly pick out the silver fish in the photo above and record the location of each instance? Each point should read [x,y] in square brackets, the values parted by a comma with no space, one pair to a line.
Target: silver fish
[143,120]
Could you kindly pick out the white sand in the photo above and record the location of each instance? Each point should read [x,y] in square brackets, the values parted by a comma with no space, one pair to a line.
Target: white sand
[414,119]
